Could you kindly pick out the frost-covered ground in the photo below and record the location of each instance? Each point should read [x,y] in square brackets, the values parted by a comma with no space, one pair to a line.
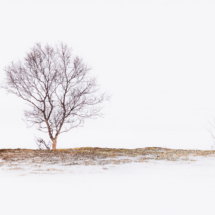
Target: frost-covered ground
[152,187]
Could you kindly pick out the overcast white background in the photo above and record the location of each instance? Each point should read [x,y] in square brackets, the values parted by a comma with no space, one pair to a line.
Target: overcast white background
[156,58]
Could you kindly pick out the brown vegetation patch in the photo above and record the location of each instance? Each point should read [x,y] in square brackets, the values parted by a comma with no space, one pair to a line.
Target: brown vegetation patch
[22,159]
[88,155]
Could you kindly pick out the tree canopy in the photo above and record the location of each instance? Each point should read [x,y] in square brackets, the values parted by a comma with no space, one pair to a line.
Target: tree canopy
[58,88]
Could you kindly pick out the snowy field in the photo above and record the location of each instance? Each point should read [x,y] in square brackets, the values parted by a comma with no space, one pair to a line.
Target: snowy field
[152,187]
[156,60]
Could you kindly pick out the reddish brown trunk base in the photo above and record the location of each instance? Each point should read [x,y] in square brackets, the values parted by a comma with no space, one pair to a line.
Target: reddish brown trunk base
[54,144]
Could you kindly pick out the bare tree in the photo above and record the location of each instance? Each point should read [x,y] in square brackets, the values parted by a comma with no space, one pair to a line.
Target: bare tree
[57,87]
[211,130]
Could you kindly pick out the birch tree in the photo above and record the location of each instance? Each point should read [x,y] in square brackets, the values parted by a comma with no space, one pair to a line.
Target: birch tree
[57,87]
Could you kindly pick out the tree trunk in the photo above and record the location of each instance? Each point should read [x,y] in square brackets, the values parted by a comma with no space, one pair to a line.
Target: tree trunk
[54,144]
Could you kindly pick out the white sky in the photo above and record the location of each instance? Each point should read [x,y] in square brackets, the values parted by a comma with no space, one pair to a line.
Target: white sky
[155,57]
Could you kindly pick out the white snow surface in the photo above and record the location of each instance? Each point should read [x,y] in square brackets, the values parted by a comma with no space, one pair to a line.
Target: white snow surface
[154,187]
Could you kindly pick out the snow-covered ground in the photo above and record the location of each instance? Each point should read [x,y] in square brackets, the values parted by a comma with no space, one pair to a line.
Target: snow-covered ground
[154,187]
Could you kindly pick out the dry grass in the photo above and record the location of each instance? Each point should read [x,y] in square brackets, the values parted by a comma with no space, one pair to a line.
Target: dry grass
[54,162]
[96,156]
